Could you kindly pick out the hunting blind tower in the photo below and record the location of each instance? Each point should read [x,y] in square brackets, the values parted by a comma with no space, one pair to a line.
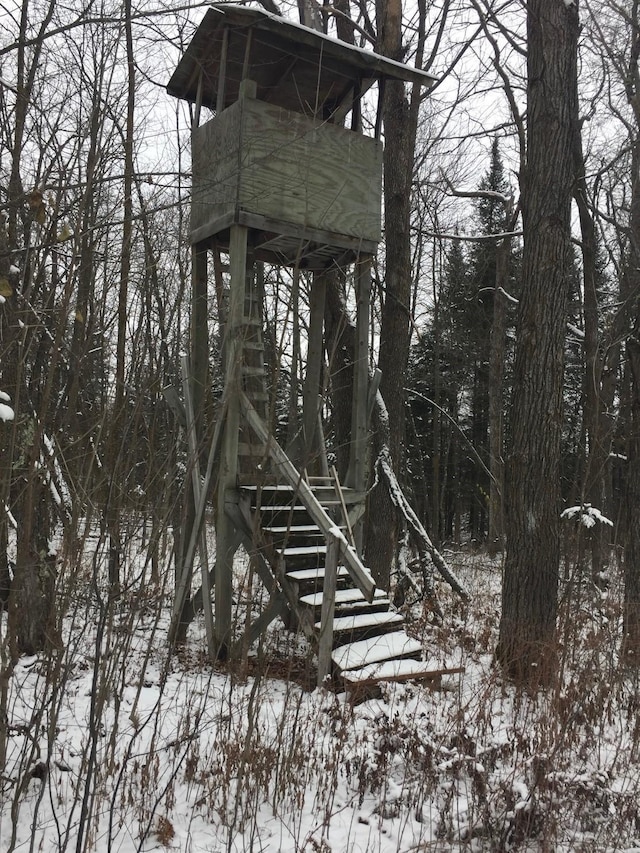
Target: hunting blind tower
[279,178]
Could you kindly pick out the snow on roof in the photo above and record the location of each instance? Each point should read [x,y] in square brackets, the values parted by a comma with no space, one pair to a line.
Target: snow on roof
[293,65]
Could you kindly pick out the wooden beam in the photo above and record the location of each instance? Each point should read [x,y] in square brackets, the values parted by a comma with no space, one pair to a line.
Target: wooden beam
[198,106]
[194,463]
[325,642]
[199,333]
[225,531]
[222,77]
[360,575]
[184,581]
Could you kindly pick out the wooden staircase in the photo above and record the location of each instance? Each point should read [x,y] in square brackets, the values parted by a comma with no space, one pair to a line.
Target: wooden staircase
[368,642]
[301,530]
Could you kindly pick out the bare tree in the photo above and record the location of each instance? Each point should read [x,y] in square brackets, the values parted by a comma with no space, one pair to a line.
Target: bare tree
[527,643]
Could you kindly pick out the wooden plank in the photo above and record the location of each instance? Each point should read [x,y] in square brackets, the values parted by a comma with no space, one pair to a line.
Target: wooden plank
[283,165]
[315,574]
[323,237]
[183,585]
[222,76]
[359,574]
[199,332]
[194,452]
[345,597]
[374,650]
[397,671]
[225,531]
[325,641]
[379,619]
[214,155]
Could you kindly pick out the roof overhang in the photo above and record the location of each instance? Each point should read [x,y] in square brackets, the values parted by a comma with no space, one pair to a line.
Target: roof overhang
[294,67]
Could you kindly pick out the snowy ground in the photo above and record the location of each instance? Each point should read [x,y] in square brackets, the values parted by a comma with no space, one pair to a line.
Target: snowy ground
[115,746]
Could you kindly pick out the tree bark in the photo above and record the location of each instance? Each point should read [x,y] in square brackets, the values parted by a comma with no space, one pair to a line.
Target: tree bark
[527,642]
[631,293]
[400,124]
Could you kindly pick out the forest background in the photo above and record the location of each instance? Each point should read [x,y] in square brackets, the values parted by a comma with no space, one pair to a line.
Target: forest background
[95,301]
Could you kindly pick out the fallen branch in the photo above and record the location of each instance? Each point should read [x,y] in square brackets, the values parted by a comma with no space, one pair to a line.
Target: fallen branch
[419,535]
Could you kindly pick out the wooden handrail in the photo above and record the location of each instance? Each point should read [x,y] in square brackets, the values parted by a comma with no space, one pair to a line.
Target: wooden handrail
[360,575]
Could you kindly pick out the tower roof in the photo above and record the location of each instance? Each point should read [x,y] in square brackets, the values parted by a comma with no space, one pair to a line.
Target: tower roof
[294,67]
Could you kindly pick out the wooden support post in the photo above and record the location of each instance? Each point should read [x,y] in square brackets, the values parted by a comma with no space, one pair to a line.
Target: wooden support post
[222,76]
[194,463]
[198,107]
[312,380]
[199,333]
[325,644]
[226,540]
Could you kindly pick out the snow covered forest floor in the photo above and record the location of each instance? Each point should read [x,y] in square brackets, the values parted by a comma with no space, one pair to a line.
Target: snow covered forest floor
[113,745]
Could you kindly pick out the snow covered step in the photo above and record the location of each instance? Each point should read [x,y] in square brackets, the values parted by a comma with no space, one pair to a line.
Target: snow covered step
[398,670]
[292,530]
[362,622]
[296,551]
[282,508]
[315,574]
[345,597]
[382,648]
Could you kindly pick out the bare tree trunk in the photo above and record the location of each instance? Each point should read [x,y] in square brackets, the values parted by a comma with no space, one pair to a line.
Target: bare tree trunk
[527,642]
[631,294]
[118,424]
[400,124]
[496,400]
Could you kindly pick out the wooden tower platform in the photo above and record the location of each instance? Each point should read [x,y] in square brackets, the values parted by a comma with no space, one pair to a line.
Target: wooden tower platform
[278,178]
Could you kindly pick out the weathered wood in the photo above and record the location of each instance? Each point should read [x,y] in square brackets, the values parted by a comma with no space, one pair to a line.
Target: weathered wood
[199,332]
[194,461]
[325,641]
[185,578]
[225,534]
[358,572]
[279,164]
[222,76]
[343,506]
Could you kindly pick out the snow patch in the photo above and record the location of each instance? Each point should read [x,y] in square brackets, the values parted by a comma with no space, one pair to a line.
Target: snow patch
[589,515]
[6,412]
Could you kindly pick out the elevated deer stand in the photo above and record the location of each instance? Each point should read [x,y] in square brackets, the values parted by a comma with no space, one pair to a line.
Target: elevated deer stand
[278,178]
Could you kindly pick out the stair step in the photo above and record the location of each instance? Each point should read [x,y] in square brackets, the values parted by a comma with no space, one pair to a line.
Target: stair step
[317,574]
[346,597]
[374,650]
[292,529]
[282,508]
[252,371]
[361,621]
[296,551]
[398,670]
[256,346]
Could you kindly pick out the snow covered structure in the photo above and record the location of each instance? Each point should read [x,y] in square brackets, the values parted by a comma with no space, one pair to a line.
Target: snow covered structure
[278,177]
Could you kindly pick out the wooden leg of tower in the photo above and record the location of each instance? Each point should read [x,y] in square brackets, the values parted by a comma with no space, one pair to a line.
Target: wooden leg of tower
[226,538]
[199,335]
